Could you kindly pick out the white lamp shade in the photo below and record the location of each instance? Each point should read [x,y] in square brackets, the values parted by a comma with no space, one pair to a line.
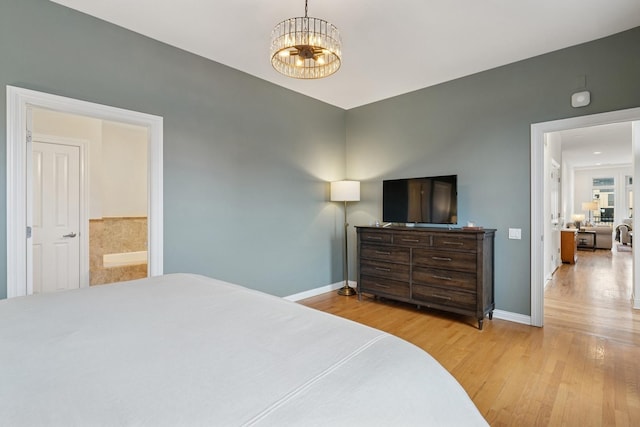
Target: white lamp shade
[589,206]
[345,191]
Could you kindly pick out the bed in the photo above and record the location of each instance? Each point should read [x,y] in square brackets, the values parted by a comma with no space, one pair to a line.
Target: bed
[187,350]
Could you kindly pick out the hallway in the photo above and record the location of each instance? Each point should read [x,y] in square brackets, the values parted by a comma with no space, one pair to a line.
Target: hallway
[593,296]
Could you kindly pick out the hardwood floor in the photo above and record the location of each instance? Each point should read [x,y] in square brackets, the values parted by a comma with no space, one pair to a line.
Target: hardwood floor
[581,369]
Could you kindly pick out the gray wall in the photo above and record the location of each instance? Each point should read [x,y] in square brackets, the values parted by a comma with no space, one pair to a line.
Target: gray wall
[245,195]
[479,128]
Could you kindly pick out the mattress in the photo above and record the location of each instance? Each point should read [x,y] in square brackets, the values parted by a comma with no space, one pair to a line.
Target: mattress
[187,350]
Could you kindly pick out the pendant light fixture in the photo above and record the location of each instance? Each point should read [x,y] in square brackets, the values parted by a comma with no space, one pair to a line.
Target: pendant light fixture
[306,48]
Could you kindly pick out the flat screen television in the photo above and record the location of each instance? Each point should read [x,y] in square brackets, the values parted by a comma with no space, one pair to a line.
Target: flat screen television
[429,200]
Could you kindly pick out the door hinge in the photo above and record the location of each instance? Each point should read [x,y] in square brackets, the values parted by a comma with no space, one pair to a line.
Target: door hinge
[28,232]
[29,137]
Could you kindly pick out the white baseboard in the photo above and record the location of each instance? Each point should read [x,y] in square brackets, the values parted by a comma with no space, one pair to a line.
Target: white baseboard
[512,317]
[319,291]
[497,314]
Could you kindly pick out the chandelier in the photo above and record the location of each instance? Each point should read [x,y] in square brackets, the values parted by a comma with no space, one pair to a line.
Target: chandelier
[306,48]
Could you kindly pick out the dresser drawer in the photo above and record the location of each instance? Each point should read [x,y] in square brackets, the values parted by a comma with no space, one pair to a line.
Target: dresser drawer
[459,241]
[444,278]
[378,285]
[377,237]
[412,239]
[458,299]
[385,253]
[384,269]
[462,261]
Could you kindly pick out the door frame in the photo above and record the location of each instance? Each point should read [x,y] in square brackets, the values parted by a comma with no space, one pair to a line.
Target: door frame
[538,131]
[18,102]
[83,231]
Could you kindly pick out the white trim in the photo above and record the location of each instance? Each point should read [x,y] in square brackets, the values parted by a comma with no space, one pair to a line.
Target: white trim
[18,100]
[512,317]
[537,189]
[635,136]
[319,291]
[537,227]
[83,231]
[16,186]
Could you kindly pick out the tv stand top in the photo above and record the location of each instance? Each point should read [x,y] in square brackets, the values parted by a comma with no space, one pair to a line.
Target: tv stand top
[427,228]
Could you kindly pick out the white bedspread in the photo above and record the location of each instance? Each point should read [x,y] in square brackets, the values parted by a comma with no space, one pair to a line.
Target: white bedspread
[185,350]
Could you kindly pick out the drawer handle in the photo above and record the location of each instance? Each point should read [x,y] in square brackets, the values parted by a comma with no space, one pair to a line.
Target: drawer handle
[374,238]
[411,240]
[383,269]
[382,286]
[453,243]
[383,253]
[441,297]
[442,277]
[439,258]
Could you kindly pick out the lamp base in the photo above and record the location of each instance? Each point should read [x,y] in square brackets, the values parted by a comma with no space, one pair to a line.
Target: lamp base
[347,290]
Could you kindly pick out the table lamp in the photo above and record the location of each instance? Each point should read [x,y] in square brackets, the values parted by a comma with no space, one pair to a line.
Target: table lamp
[590,206]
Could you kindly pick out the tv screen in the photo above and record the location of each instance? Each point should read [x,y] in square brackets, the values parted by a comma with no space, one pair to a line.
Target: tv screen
[429,200]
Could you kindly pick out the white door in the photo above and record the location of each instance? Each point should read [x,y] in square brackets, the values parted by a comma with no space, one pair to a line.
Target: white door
[56,217]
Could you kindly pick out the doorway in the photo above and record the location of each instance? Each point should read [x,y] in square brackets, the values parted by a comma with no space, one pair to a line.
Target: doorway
[538,132]
[113,223]
[19,221]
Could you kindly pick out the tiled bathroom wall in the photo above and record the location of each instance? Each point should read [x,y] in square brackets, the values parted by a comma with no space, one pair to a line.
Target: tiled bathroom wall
[114,235]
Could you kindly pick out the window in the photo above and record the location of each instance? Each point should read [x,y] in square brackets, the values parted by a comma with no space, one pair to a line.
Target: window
[603,182]
[603,192]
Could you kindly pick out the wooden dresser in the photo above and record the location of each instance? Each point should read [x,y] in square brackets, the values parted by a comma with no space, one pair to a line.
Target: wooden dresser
[450,270]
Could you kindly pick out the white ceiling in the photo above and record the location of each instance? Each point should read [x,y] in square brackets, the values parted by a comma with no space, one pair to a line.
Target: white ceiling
[612,143]
[389,47]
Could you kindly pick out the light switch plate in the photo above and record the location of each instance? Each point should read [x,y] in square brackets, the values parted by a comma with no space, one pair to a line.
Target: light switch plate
[515,233]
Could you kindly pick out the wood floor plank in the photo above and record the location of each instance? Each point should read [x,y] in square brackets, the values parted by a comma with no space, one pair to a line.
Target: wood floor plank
[581,369]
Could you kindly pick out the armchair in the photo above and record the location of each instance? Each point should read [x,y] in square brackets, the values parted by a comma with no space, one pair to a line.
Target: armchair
[623,230]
